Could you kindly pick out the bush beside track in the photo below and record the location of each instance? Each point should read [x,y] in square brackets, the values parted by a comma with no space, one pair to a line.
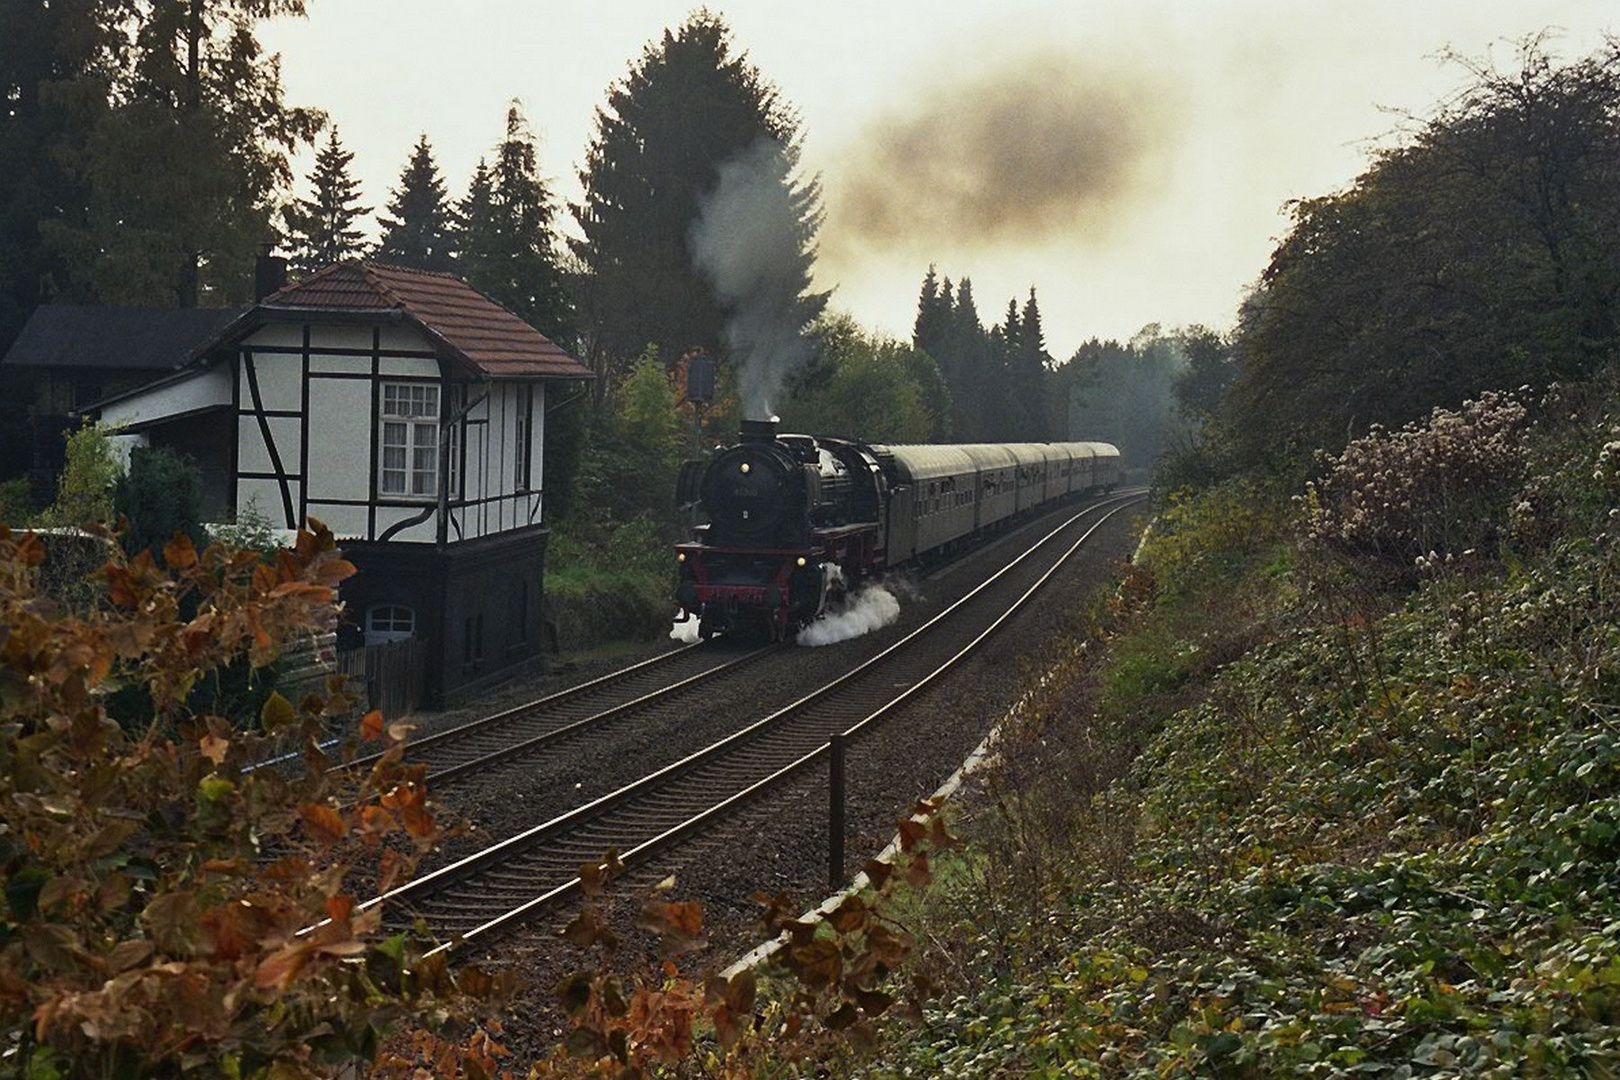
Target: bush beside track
[1313,804]
[609,592]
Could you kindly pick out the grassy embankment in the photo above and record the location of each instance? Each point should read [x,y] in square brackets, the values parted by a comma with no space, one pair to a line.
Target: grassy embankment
[1315,802]
[613,591]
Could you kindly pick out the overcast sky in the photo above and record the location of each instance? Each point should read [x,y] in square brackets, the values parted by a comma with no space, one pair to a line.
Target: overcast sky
[1129,159]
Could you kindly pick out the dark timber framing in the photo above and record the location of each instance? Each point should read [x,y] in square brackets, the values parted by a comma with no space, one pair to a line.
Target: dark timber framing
[307,370]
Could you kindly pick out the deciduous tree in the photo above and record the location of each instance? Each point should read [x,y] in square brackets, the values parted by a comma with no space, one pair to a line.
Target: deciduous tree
[1120,393]
[1483,252]
[91,469]
[170,910]
[1201,386]
[866,387]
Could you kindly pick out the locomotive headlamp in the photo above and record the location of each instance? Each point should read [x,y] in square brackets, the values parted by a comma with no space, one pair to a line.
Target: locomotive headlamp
[801,560]
[745,467]
[680,557]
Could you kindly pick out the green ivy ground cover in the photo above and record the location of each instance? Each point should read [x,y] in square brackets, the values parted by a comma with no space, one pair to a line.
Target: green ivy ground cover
[1384,842]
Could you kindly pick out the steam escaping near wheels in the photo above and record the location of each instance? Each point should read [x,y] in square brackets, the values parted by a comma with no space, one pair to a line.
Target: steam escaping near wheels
[862,611]
[865,610]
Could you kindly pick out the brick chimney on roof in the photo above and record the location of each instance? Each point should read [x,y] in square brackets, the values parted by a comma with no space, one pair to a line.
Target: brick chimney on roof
[269,273]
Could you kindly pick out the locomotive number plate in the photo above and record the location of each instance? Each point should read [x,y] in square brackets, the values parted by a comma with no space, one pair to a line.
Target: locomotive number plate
[745,594]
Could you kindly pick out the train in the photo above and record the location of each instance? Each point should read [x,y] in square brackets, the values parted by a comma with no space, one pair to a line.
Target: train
[793,522]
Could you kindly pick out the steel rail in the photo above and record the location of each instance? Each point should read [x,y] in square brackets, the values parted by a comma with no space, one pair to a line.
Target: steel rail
[561,827]
[456,751]
[670,836]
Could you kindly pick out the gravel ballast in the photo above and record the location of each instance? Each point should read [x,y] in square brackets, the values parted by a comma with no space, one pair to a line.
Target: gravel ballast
[779,844]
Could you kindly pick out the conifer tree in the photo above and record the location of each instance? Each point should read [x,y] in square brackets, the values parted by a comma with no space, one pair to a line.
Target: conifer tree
[1008,332]
[1005,407]
[419,223]
[688,107]
[965,323]
[475,218]
[506,242]
[975,367]
[322,229]
[1028,364]
[933,314]
[145,146]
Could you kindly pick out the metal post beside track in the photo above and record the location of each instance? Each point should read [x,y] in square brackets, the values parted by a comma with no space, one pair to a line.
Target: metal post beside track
[835,812]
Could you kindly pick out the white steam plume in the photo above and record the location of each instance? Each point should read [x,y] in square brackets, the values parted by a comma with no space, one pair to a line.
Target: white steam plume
[685,632]
[868,609]
[749,241]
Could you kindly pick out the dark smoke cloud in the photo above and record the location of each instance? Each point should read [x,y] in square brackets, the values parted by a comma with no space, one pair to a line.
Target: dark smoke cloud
[1039,145]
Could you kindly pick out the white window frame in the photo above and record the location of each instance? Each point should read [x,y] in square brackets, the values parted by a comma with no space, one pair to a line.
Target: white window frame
[408,440]
[456,397]
[522,461]
[390,622]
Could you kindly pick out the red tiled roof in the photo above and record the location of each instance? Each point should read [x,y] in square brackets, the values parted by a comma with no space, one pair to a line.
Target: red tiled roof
[477,330]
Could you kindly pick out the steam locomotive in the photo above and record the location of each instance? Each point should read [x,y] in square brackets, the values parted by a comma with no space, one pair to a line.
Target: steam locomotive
[794,521]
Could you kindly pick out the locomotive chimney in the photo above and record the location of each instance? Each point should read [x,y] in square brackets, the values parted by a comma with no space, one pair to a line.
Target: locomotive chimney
[754,431]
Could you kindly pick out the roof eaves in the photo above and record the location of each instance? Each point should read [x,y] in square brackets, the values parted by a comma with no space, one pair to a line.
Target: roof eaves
[178,375]
[159,421]
[238,326]
[450,350]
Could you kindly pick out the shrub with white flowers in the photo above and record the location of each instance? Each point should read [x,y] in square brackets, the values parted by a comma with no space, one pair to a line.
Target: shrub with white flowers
[1427,494]
[1607,470]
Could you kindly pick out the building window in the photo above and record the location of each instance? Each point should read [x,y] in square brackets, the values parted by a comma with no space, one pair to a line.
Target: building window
[525,407]
[455,460]
[389,622]
[410,439]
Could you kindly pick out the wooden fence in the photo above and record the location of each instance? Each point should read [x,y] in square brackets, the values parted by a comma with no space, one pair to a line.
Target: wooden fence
[393,674]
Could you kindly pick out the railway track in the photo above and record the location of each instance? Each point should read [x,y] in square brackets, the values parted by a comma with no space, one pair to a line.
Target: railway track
[505,883]
[661,682]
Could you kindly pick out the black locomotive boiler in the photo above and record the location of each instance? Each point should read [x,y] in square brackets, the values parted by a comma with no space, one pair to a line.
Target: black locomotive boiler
[795,520]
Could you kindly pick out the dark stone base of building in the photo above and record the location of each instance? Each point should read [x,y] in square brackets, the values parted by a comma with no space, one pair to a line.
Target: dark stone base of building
[477,605]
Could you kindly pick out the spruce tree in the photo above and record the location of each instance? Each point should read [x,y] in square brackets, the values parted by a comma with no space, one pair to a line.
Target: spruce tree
[1027,368]
[322,229]
[475,220]
[1008,332]
[687,108]
[933,314]
[1006,416]
[506,242]
[974,365]
[966,326]
[419,223]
